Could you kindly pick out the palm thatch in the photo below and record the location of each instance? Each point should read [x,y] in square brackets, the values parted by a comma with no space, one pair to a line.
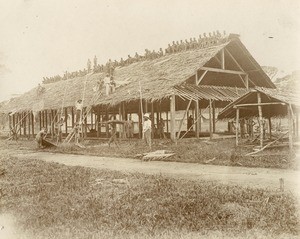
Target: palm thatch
[157,79]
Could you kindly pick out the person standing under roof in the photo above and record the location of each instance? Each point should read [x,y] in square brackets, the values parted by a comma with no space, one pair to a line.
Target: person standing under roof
[147,129]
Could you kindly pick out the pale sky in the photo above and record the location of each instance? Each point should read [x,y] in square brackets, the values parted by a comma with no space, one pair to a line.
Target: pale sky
[47,37]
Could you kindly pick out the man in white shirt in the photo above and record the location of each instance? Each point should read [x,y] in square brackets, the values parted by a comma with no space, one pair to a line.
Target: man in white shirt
[147,129]
[107,84]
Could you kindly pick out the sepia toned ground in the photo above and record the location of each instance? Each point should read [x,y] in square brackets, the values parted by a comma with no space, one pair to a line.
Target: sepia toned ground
[49,194]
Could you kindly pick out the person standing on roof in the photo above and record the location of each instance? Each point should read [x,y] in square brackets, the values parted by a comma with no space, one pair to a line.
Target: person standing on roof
[147,129]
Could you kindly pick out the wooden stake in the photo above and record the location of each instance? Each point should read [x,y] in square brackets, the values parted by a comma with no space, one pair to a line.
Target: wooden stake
[73,117]
[237,127]
[270,127]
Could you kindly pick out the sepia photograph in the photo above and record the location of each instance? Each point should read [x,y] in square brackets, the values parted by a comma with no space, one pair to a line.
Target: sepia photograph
[149,119]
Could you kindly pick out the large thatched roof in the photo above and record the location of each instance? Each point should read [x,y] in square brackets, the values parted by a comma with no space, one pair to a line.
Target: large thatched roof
[157,78]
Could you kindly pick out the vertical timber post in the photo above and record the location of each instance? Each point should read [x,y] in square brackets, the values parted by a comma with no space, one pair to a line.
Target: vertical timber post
[172,116]
[214,116]
[66,120]
[237,126]
[210,121]
[197,118]
[261,138]
[290,127]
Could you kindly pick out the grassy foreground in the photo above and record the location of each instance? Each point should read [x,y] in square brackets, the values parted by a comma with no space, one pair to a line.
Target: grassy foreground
[50,200]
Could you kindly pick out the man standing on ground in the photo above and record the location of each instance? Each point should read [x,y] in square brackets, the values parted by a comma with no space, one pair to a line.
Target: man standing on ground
[147,129]
[40,137]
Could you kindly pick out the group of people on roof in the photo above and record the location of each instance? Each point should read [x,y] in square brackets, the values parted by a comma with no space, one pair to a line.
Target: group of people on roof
[174,47]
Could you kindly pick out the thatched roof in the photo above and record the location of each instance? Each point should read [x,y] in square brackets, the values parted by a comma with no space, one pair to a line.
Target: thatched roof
[157,78]
[267,96]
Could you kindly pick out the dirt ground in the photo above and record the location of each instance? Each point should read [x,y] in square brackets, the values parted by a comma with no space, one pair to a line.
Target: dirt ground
[243,176]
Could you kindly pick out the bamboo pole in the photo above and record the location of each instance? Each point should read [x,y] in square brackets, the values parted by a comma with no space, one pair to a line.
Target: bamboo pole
[261,138]
[237,128]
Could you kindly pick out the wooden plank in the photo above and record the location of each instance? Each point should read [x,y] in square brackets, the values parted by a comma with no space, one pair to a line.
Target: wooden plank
[222,71]
[237,127]
[172,116]
[259,104]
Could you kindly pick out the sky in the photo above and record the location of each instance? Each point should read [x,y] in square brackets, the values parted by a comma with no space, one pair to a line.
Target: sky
[43,38]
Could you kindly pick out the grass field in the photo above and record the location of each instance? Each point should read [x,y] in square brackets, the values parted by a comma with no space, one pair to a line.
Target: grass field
[50,200]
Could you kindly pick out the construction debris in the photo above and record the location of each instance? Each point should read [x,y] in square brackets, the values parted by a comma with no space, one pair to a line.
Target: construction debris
[155,155]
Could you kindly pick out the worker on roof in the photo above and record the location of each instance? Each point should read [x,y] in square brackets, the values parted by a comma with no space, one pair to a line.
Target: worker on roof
[112,85]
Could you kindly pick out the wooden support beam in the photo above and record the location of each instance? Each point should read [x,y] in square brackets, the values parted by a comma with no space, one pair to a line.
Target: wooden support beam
[46,119]
[66,120]
[270,127]
[237,126]
[261,138]
[214,116]
[197,116]
[32,124]
[222,59]
[172,116]
[222,71]
[24,123]
[201,77]
[259,104]
[40,119]
[73,117]
[290,120]
[98,127]
[210,120]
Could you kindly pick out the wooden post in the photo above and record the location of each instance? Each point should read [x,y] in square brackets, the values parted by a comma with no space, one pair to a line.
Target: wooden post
[290,126]
[172,116]
[46,119]
[200,115]
[247,81]
[29,123]
[40,119]
[237,126]
[214,116]
[260,120]
[85,122]
[66,120]
[210,120]
[32,124]
[196,118]
[24,123]
[167,119]
[73,117]
[152,120]
[92,120]
[98,127]
[270,127]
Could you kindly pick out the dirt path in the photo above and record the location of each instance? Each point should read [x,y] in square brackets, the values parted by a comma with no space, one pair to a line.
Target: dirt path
[254,177]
